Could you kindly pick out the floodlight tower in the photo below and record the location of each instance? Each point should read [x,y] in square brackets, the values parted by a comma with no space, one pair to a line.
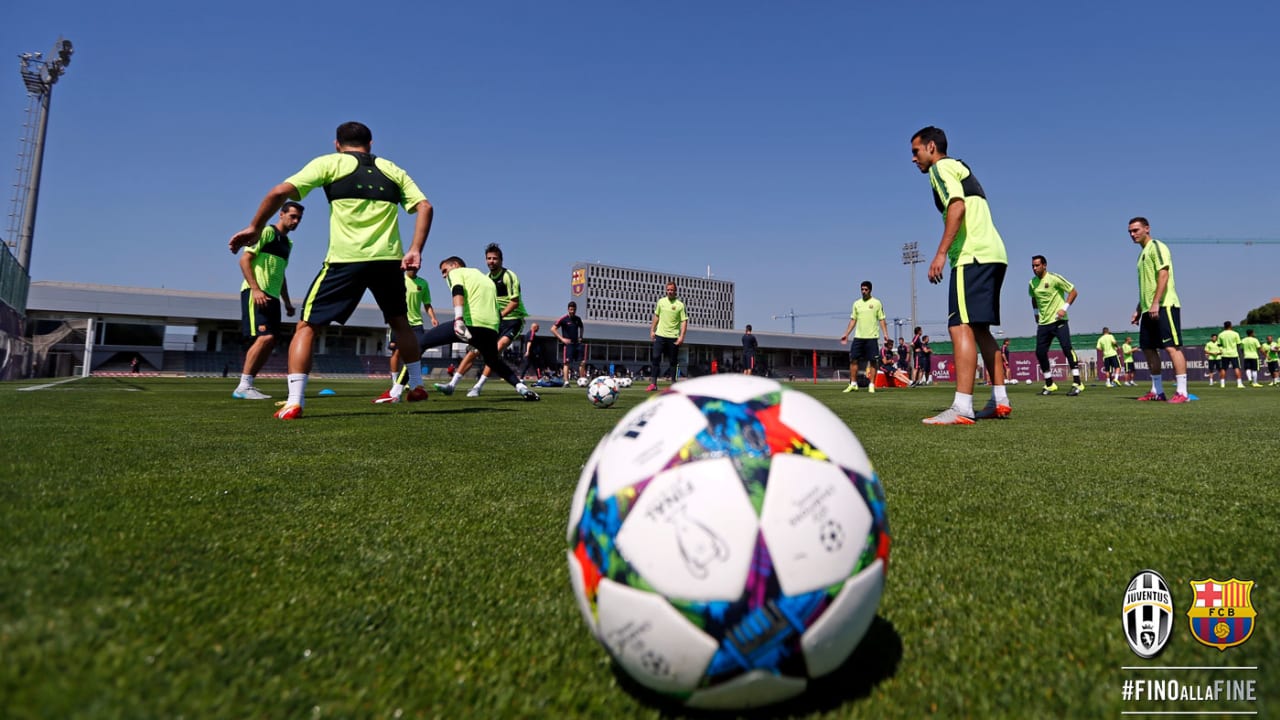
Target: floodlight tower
[911,257]
[39,75]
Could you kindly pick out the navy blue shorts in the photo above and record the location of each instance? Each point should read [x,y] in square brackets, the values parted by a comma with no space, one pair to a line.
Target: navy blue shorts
[572,353]
[1162,331]
[510,329]
[864,349]
[974,295]
[258,321]
[338,288]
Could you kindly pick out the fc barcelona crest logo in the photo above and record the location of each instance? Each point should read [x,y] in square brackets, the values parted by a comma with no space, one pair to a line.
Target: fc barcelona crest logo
[1147,613]
[579,281]
[1221,613]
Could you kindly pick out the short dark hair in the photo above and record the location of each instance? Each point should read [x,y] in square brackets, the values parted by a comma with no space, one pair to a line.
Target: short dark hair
[573,305]
[493,248]
[933,135]
[1040,258]
[1226,325]
[1139,219]
[918,329]
[354,134]
[453,259]
[292,204]
[748,328]
[865,284]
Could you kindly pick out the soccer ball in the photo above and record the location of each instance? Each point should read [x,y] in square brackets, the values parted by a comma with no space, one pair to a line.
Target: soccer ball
[623,382]
[602,392]
[582,381]
[728,541]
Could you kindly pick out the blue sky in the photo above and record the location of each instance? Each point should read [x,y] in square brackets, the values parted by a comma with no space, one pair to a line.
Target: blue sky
[769,141]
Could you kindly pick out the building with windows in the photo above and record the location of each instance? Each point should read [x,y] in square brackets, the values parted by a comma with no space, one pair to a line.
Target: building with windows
[609,293]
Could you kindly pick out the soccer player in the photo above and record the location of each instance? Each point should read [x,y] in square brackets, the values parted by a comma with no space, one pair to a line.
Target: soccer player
[417,298]
[1158,313]
[1273,359]
[1051,296]
[475,320]
[532,355]
[667,334]
[510,309]
[927,351]
[261,293]
[917,358]
[1126,358]
[365,251]
[975,250]
[749,346]
[1249,350]
[1213,353]
[867,311]
[1110,358]
[570,331]
[1229,339]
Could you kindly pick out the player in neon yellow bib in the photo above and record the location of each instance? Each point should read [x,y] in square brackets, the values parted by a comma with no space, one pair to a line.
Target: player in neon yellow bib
[978,261]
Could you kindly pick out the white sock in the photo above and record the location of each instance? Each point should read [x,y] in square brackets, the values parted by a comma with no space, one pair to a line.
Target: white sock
[395,375]
[520,386]
[297,388]
[480,382]
[246,382]
[396,390]
[963,404]
[1157,384]
[1000,394]
[415,373]
[457,378]
[1181,382]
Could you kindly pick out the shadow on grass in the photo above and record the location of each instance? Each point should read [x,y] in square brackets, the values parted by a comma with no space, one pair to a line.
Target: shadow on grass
[874,661]
[420,410]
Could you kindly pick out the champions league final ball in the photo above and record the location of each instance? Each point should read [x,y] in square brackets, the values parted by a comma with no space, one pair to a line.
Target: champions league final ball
[602,392]
[728,541]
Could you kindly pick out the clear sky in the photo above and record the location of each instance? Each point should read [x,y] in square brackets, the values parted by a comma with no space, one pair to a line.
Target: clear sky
[768,141]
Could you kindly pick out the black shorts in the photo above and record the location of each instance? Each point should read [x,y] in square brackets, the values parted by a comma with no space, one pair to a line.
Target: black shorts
[1129,367]
[1111,364]
[1251,363]
[1215,365]
[338,288]
[1162,331]
[1046,334]
[1230,363]
[1273,366]
[864,349]
[974,294]
[419,332]
[258,321]
[510,329]
[749,361]
[572,353]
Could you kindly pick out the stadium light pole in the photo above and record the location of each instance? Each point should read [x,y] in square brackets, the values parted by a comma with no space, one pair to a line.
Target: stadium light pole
[910,257]
[39,76]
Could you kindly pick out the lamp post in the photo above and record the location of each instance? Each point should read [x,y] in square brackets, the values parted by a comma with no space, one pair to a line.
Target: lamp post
[39,75]
[910,257]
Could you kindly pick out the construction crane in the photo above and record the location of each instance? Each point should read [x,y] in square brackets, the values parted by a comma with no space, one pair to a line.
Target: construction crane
[793,315]
[1222,241]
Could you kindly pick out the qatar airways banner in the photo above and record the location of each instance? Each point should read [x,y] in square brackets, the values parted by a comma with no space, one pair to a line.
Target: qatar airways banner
[1024,367]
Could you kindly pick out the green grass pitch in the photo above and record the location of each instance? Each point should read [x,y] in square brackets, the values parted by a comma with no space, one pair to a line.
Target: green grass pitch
[166,551]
